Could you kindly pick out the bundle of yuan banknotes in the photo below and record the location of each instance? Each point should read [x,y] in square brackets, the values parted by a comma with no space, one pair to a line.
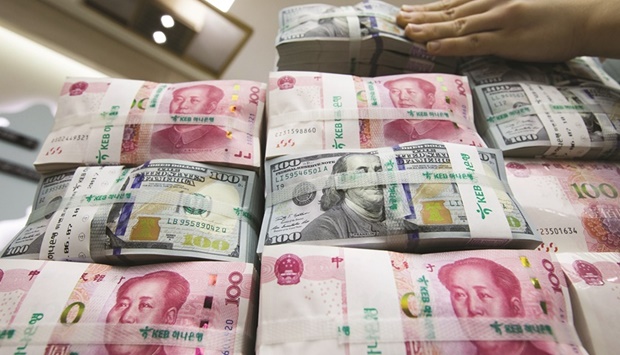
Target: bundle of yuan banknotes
[104,121]
[362,40]
[332,300]
[566,110]
[57,307]
[163,210]
[574,204]
[422,196]
[309,111]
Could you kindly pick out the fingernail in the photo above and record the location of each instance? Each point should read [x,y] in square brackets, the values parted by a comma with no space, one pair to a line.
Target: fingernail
[432,46]
[414,27]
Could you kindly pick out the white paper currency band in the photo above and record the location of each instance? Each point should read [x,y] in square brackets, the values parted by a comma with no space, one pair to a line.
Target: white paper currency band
[567,132]
[350,180]
[355,35]
[194,201]
[128,334]
[532,109]
[393,330]
[96,121]
[485,213]
[373,113]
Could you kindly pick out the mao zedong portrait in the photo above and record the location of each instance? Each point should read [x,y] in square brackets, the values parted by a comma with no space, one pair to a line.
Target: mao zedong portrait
[352,212]
[179,138]
[154,298]
[416,94]
[482,288]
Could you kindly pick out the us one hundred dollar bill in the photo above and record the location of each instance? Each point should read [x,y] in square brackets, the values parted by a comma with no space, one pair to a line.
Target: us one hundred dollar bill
[170,308]
[593,283]
[309,111]
[354,301]
[574,204]
[421,196]
[163,210]
[535,120]
[104,121]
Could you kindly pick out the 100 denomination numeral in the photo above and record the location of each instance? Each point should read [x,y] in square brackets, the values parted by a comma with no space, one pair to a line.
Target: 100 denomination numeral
[587,190]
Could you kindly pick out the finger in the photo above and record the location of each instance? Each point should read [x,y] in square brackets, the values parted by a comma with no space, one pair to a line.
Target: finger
[434,6]
[457,28]
[464,10]
[476,44]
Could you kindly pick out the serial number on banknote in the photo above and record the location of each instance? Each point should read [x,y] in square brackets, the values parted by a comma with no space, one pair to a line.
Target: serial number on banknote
[291,131]
[557,230]
[77,137]
[297,173]
[196,224]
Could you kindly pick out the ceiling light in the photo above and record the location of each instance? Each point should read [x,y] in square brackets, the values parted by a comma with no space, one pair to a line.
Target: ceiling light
[159,37]
[167,21]
[222,5]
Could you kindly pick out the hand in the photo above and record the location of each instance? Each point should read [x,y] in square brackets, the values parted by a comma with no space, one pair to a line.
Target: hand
[529,30]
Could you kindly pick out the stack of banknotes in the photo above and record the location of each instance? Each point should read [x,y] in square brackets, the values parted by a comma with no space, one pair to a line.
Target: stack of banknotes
[362,40]
[491,70]
[159,201]
[567,110]
[84,308]
[594,288]
[574,205]
[421,196]
[104,121]
[163,210]
[310,111]
[330,300]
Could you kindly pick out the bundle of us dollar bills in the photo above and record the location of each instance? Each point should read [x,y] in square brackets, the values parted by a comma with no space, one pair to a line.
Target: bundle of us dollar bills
[362,40]
[525,119]
[491,70]
[163,210]
[555,110]
[421,196]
